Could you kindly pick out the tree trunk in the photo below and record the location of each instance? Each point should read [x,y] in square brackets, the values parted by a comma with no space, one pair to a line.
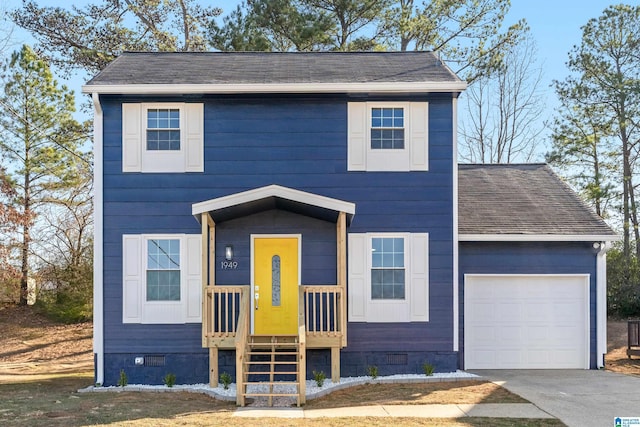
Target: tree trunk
[26,239]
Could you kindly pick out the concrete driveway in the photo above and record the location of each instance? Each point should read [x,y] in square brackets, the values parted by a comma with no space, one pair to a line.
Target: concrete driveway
[577,397]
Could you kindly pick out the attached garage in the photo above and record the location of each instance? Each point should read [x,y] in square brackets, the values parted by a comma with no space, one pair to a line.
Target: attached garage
[526,321]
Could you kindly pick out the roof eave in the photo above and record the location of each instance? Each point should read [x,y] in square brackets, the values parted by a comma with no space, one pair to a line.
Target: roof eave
[538,237]
[176,89]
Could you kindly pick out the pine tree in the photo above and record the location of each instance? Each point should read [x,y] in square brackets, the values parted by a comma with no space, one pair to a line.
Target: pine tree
[39,142]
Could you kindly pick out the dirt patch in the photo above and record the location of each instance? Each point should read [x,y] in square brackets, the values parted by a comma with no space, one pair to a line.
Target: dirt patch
[460,392]
[33,345]
[616,359]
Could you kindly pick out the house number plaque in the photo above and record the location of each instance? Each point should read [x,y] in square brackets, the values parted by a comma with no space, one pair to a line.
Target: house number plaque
[229,265]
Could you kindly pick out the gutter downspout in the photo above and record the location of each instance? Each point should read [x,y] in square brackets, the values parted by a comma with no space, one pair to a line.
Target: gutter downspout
[601,302]
[98,294]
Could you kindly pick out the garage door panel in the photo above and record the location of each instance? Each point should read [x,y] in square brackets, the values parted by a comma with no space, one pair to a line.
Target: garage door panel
[535,311]
[526,322]
[508,311]
[484,312]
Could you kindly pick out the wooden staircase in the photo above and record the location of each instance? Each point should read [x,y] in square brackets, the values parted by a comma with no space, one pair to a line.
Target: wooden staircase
[274,361]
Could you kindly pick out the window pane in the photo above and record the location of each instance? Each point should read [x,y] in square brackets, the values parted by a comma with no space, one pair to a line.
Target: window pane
[376,291]
[275,281]
[376,260]
[163,140]
[163,285]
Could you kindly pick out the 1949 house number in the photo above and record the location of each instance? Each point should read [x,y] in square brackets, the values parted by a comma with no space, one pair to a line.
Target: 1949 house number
[229,265]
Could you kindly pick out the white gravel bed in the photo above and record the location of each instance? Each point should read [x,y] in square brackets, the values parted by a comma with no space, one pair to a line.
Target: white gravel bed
[313,391]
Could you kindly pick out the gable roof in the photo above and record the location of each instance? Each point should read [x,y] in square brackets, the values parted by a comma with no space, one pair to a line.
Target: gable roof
[245,72]
[518,201]
[273,197]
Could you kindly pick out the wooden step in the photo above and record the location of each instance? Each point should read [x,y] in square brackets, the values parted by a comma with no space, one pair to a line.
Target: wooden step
[270,394]
[269,353]
[272,352]
[267,362]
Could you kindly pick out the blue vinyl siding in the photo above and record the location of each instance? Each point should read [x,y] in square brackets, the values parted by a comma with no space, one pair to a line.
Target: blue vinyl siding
[530,258]
[293,141]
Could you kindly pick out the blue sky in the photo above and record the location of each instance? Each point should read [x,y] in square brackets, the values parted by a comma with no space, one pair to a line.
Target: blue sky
[555,26]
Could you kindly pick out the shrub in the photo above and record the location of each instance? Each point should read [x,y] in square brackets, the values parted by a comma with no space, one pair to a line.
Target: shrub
[428,369]
[373,371]
[69,294]
[319,377]
[122,381]
[169,379]
[225,379]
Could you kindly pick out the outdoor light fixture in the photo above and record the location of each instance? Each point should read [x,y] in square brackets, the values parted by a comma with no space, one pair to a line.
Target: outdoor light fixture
[228,252]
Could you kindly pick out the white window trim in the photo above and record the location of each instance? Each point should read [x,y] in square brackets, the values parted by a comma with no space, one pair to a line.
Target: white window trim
[136,157]
[414,307]
[413,157]
[135,307]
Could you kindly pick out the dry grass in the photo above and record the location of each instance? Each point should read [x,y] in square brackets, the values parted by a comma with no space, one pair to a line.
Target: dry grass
[458,392]
[616,359]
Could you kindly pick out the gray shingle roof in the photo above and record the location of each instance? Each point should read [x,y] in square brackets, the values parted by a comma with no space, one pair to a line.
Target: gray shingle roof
[522,199]
[270,67]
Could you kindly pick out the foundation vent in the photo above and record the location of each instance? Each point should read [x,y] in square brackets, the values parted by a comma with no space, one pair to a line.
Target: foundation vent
[154,361]
[397,359]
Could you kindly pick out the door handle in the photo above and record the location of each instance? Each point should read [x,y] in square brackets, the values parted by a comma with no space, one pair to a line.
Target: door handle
[256,297]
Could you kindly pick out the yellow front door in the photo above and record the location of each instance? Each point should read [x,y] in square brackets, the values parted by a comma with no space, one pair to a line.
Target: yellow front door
[275,285]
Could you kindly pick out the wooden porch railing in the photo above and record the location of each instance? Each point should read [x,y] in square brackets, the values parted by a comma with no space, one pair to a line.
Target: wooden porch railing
[241,339]
[226,324]
[302,351]
[323,310]
[221,316]
[325,316]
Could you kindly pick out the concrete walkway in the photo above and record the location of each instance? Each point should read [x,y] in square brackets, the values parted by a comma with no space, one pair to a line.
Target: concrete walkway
[580,398]
[496,410]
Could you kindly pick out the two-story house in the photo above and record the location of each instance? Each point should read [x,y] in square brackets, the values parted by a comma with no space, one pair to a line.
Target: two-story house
[290,212]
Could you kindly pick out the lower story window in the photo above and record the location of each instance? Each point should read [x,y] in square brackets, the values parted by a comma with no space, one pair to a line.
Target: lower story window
[161,278]
[387,268]
[163,270]
[388,279]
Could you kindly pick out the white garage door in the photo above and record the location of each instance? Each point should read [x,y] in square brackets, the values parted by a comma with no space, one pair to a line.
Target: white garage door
[526,322]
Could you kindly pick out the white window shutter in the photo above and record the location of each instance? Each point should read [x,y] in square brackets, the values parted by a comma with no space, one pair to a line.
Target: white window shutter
[358,272]
[193,280]
[419,280]
[419,136]
[133,278]
[131,137]
[194,137]
[357,136]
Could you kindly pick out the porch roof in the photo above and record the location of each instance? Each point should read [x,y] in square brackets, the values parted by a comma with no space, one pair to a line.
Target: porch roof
[273,197]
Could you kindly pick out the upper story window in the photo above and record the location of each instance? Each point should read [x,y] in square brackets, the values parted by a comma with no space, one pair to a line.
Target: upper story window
[163,137]
[388,136]
[163,129]
[387,128]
